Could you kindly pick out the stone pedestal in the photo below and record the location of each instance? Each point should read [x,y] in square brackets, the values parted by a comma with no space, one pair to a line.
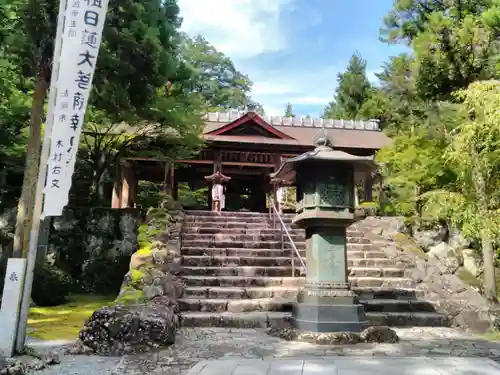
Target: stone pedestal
[326,304]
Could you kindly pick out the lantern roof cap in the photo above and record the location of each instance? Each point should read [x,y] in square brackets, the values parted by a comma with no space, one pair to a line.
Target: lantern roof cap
[322,152]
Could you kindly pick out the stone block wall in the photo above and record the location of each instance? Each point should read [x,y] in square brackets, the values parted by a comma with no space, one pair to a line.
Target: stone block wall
[94,245]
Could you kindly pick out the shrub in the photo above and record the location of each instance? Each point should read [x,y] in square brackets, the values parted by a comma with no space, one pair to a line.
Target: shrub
[51,286]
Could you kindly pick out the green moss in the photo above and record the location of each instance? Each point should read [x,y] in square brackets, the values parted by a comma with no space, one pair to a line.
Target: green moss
[469,278]
[418,252]
[63,322]
[369,205]
[145,250]
[492,335]
[407,243]
[136,276]
[403,239]
[130,296]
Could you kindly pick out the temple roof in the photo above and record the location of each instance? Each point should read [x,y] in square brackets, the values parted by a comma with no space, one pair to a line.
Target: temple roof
[298,131]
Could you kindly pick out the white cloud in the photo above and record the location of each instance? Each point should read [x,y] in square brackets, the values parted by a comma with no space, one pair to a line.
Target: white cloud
[312,88]
[239,28]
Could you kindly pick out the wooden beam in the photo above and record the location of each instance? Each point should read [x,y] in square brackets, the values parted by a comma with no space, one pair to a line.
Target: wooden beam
[267,165]
[195,161]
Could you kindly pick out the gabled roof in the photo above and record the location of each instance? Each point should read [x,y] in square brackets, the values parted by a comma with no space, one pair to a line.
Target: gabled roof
[298,131]
[249,118]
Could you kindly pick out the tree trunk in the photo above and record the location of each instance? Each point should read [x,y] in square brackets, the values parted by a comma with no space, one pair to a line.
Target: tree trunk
[27,199]
[489,268]
[490,292]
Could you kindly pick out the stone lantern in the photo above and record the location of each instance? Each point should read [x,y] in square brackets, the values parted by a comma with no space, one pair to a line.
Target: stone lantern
[325,192]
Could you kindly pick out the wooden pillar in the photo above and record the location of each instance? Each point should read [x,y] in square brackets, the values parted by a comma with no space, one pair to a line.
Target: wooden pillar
[117,187]
[217,161]
[129,189]
[368,187]
[175,185]
[277,164]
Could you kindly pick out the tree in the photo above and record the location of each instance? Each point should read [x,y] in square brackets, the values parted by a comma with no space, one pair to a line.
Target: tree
[352,91]
[289,110]
[215,77]
[473,204]
[136,58]
[412,167]
[455,41]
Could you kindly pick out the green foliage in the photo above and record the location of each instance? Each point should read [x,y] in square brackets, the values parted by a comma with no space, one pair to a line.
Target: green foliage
[289,110]
[455,42]
[51,286]
[193,199]
[352,91]
[473,202]
[412,166]
[214,76]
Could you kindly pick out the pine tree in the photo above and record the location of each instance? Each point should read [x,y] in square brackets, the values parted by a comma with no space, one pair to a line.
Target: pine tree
[352,91]
[289,110]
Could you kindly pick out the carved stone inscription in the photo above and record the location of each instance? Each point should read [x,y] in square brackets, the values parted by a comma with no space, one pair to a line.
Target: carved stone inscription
[326,261]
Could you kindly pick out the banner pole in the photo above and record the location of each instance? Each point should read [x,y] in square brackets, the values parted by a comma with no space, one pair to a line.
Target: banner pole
[37,211]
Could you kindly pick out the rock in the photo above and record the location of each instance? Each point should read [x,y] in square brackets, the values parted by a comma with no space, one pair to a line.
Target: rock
[472,261]
[457,241]
[318,338]
[429,237]
[450,257]
[380,335]
[51,358]
[78,349]
[121,329]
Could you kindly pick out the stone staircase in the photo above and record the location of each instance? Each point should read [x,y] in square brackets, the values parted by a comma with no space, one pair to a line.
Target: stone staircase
[237,275]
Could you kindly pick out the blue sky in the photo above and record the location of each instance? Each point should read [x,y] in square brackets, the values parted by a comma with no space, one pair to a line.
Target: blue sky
[292,49]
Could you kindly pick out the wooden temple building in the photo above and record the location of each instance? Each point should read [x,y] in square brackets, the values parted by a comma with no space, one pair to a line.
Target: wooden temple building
[247,147]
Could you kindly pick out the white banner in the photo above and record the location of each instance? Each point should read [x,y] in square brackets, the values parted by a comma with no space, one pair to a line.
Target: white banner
[83,25]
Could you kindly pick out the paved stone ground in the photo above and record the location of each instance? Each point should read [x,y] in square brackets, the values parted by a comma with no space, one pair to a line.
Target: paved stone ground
[351,366]
[199,344]
[195,345]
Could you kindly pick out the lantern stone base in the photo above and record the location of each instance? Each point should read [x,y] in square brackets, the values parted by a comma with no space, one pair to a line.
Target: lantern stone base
[328,310]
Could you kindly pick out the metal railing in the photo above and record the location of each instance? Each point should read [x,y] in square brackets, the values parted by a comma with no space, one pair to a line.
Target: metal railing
[273,214]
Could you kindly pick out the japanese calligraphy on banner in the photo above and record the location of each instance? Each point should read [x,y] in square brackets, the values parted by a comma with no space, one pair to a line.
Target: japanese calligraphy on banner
[83,25]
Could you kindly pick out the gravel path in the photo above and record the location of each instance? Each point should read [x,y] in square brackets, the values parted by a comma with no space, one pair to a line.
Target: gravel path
[196,344]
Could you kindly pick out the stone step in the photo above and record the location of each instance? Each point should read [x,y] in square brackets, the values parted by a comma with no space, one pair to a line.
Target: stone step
[265,319]
[254,237]
[187,225]
[291,293]
[277,252]
[356,254]
[283,271]
[236,305]
[246,229]
[286,305]
[236,293]
[268,259]
[381,282]
[224,219]
[238,231]
[232,261]
[244,281]
[241,244]
[246,271]
[238,252]
[261,319]
[207,213]
[408,319]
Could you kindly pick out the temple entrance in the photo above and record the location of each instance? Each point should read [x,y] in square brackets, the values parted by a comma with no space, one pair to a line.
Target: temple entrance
[247,193]
[246,190]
